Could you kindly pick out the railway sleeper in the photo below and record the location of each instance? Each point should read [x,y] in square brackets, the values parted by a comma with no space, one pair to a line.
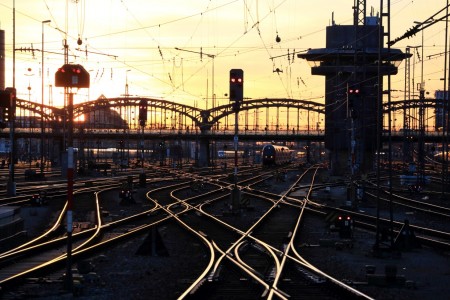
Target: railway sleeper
[271,274]
[310,276]
[215,276]
[259,248]
[197,287]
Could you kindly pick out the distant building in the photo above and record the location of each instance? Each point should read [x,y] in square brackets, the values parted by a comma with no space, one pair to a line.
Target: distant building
[104,117]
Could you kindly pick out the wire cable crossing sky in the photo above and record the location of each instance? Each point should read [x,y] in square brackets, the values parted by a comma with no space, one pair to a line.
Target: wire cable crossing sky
[119,41]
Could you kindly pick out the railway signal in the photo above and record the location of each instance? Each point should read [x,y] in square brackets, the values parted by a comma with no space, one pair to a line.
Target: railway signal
[143,112]
[6,98]
[72,75]
[353,94]
[353,91]
[345,225]
[236,85]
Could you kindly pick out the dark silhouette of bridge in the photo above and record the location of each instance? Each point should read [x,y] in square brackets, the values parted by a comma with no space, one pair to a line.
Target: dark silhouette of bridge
[28,114]
[103,122]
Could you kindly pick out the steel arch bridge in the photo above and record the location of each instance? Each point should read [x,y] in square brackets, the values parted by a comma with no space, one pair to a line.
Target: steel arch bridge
[204,119]
[108,121]
[201,118]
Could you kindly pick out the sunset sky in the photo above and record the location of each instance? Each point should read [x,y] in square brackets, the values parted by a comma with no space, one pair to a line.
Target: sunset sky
[136,41]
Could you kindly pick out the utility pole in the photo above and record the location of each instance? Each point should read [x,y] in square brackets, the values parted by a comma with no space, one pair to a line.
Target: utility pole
[42,99]
[11,185]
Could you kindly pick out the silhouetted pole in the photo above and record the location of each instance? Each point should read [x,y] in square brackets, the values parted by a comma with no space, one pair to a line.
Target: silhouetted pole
[11,185]
[236,96]
[236,141]
[42,99]
[70,175]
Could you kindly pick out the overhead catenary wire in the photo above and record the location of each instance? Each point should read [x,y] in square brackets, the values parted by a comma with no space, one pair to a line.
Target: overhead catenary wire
[152,63]
[224,51]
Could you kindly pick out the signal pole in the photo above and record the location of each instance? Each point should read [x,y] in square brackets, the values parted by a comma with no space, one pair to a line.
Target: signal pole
[236,96]
[70,76]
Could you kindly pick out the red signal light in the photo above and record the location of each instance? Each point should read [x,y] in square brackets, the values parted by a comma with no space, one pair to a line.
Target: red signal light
[70,75]
[236,85]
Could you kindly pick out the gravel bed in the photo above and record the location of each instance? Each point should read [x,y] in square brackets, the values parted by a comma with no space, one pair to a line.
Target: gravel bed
[130,271]
[426,272]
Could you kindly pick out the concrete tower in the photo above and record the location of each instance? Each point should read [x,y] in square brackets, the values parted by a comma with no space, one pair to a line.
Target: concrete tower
[350,66]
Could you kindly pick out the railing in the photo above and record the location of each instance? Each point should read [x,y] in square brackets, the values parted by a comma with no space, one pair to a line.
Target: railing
[90,132]
[227,132]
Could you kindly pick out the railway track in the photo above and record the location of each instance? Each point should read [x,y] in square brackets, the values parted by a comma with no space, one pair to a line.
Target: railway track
[255,252]
[250,250]
[35,259]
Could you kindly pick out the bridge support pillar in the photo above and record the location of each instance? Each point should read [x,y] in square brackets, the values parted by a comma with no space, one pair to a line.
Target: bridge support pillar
[235,199]
[203,157]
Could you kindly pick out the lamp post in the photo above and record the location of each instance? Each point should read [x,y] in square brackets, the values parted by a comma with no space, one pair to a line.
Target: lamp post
[42,99]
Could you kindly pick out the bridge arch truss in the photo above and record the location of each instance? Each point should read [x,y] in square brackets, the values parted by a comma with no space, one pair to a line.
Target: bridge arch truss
[255,114]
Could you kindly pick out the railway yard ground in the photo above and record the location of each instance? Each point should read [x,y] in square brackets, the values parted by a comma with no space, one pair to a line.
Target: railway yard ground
[140,270]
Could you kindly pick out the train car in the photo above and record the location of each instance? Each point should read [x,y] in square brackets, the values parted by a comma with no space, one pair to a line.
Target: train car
[275,155]
[228,153]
